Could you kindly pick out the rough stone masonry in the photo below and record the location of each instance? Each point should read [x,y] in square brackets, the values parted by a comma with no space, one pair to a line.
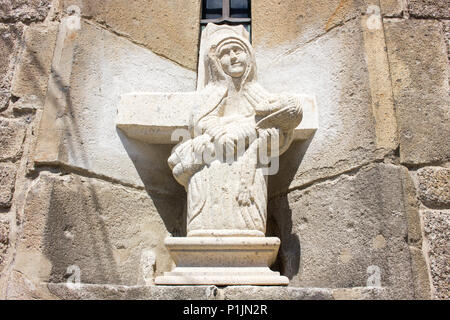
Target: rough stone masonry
[364,201]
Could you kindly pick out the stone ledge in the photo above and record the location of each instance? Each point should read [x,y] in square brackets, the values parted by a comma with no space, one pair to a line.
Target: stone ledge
[166,112]
[117,292]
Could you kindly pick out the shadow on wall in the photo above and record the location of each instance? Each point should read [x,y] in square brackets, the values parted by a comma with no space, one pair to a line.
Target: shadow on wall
[159,183]
[279,221]
[57,221]
[95,247]
[89,226]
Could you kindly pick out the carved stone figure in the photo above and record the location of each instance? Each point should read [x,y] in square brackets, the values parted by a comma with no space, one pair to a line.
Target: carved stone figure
[234,131]
[238,123]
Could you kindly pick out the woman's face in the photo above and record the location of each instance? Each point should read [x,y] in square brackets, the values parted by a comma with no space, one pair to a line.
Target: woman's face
[234,59]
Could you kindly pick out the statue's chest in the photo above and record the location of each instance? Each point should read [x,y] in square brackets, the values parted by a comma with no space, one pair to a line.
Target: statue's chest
[237,106]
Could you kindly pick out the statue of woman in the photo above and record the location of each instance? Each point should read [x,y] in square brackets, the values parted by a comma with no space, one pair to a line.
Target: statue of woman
[238,123]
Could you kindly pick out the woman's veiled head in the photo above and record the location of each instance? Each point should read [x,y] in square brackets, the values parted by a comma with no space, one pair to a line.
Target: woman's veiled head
[225,53]
[233,58]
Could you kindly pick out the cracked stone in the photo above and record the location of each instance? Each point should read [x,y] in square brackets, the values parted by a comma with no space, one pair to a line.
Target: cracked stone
[303,20]
[82,132]
[348,135]
[160,25]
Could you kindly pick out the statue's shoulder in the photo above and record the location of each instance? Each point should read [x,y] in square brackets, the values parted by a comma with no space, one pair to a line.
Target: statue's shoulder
[211,96]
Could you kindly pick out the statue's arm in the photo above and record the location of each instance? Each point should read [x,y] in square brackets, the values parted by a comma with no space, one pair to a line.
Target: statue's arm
[211,126]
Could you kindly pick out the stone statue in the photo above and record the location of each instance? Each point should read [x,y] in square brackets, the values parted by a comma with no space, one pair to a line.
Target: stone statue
[237,124]
[233,132]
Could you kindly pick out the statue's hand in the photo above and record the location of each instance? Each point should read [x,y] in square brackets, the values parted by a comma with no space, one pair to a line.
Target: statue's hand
[216,132]
[200,143]
[216,68]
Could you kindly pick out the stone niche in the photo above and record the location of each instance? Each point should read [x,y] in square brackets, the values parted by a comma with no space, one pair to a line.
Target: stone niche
[340,213]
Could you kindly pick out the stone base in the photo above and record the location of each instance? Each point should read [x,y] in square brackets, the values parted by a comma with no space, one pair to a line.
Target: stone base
[223,277]
[222,261]
[117,292]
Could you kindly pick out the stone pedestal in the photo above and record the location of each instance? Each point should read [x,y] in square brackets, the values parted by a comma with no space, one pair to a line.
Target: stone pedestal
[222,261]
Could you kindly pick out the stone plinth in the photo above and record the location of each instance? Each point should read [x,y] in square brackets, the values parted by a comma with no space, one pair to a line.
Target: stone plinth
[114,292]
[222,261]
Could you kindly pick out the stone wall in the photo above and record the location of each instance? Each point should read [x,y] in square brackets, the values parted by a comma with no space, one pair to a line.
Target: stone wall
[380,72]
[368,193]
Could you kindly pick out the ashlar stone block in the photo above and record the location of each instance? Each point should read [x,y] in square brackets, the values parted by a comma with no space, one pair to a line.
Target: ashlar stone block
[420,87]
[92,68]
[343,232]
[168,28]
[94,231]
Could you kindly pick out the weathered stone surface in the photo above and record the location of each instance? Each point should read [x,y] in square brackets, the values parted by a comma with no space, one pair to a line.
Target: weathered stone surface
[168,28]
[392,8]
[19,287]
[334,69]
[12,133]
[303,20]
[7,180]
[380,82]
[103,230]
[104,292]
[434,186]
[363,293]
[422,283]
[4,98]
[24,10]
[78,125]
[4,242]
[290,293]
[110,292]
[412,209]
[421,89]
[447,36]
[429,8]
[33,67]
[10,36]
[419,269]
[437,233]
[332,232]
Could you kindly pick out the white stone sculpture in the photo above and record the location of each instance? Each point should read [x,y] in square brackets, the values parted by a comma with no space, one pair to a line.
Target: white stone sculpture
[228,197]
[235,126]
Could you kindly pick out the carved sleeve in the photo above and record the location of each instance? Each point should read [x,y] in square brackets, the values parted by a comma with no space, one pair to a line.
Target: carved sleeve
[211,124]
[262,101]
